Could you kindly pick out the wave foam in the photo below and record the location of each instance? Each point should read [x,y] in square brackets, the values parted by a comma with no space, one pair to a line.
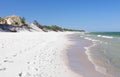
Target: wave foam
[97,68]
[87,38]
[109,37]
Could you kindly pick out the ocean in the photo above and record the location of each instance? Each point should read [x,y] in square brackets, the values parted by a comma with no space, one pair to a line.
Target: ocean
[104,53]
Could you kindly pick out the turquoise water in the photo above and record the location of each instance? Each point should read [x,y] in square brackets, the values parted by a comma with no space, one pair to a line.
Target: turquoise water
[105,52]
[114,34]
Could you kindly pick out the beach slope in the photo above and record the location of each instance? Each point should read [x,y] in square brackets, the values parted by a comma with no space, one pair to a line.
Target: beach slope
[34,55]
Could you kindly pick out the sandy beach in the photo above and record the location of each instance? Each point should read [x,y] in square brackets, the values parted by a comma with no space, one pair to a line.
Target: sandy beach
[34,55]
[40,54]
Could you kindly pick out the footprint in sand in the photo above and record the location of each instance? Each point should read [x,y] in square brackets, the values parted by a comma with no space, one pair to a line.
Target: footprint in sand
[9,61]
[15,55]
[36,69]
[20,52]
[20,74]
[2,69]
[2,45]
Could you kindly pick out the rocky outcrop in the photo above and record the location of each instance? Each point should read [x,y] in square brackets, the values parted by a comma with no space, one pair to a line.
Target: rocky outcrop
[16,24]
[13,20]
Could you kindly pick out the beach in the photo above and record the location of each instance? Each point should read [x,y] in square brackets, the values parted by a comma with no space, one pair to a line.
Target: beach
[34,55]
[60,38]
[78,59]
[40,54]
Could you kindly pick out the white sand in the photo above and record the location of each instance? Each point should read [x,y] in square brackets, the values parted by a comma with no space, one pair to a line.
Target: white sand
[34,55]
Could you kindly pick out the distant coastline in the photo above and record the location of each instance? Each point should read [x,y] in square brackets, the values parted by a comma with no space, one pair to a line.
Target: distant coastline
[16,24]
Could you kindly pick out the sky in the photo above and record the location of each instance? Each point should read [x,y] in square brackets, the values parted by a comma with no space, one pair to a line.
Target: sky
[89,15]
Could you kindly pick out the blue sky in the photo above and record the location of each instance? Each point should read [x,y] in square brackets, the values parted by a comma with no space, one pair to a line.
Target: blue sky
[90,15]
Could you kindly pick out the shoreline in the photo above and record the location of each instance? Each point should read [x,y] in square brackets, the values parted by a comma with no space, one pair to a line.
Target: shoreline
[45,55]
[78,59]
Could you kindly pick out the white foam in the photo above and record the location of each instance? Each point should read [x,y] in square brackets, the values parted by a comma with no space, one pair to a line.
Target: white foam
[100,69]
[107,37]
[110,37]
[99,35]
[97,68]
[87,38]
[94,40]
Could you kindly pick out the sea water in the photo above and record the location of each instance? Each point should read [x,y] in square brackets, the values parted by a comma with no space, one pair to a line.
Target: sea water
[104,53]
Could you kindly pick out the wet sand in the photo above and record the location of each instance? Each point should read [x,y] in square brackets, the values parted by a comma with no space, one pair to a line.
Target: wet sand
[78,60]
